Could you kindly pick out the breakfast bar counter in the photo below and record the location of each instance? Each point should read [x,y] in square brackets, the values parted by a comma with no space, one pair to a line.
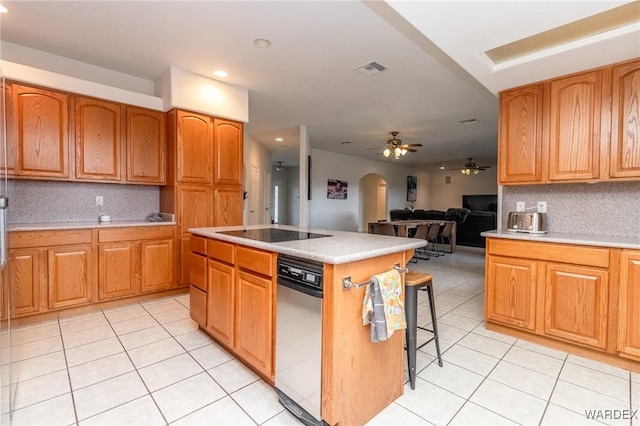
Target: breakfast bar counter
[235,299]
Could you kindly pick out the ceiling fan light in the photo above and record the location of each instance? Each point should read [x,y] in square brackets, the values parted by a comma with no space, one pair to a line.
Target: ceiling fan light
[397,151]
[386,152]
[475,171]
[403,151]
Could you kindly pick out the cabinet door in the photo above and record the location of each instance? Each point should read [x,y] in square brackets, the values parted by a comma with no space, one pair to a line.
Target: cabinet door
[194,208]
[625,122]
[574,127]
[24,281]
[157,265]
[511,291]
[576,300]
[629,323]
[184,262]
[146,146]
[97,139]
[227,152]
[220,294]
[116,270]
[39,121]
[227,206]
[69,276]
[194,148]
[520,135]
[254,321]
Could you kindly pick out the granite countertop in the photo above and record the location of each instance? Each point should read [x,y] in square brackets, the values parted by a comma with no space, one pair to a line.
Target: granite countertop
[341,247]
[578,239]
[51,226]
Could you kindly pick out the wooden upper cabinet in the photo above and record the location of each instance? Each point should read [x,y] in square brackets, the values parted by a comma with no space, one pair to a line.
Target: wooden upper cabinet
[97,139]
[625,122]
[574,127]
[194,148]
[38,122]
[629,324]
[146,146]
[520,135]
[228,152]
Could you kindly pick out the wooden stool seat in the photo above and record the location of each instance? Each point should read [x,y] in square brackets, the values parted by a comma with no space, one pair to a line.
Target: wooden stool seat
[414,281]
[416,278]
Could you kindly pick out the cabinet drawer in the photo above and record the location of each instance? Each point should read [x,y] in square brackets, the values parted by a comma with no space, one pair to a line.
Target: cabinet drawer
[561,253]
[198,305]
[198,245]
[48,238]
[255,260]
[221,251]
[135,233]
[198,271]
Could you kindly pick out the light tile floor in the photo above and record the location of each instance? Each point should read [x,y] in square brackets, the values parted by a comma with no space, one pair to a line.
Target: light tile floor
[147,363]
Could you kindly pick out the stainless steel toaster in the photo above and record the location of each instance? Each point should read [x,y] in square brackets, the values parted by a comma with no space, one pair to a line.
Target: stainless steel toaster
[533,223]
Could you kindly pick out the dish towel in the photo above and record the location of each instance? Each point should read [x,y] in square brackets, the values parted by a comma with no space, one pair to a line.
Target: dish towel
[382,306]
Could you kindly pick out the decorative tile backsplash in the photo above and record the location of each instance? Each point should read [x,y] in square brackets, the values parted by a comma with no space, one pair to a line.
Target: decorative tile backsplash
[606,208]
[51,201]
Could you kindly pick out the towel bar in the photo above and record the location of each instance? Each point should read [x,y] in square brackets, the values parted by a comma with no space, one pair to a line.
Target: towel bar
[347,283]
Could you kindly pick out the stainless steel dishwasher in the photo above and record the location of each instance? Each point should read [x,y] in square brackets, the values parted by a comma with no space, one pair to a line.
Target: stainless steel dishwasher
[299,338]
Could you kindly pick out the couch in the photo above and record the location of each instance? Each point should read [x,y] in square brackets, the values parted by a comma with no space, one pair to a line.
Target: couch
[469,224]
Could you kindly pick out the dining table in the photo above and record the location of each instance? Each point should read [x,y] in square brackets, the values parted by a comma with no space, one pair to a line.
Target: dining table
[403,226]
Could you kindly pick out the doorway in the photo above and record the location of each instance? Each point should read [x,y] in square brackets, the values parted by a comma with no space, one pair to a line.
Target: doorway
[373,200]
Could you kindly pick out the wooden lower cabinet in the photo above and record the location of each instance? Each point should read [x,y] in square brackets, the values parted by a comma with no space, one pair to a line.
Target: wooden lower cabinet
[575,305]
[70,280]
[511,291]
[156,265]
[629,324]
[221,301]
[24,276]
[254,321]
[116,266]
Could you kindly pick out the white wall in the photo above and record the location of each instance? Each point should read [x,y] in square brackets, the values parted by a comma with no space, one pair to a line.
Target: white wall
[445,195]
[344,214]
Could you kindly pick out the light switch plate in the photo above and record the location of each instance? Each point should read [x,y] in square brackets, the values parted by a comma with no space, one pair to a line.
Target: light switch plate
[520,206]
[542,206]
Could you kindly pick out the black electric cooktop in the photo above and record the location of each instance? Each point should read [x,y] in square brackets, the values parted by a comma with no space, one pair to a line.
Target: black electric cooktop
[273,235]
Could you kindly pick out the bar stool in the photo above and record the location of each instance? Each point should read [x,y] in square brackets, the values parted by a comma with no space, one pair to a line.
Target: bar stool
[414,281]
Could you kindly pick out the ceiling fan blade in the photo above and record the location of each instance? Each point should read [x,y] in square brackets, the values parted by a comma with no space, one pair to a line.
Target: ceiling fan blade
[484,167]
[410,144]
[373,149]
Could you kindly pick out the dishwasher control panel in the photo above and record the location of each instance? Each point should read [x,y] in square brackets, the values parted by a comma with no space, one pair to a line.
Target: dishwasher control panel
[300,271]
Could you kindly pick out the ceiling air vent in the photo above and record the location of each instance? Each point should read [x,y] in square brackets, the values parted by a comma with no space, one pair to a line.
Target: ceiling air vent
[371,68]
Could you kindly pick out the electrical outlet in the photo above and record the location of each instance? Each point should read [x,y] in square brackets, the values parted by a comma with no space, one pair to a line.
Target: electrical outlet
[542,206]
[99,200]
[520,206]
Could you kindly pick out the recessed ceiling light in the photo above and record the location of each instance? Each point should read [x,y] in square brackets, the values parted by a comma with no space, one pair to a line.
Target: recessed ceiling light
[279,139]
[220,73]
[441,167]
[262,43]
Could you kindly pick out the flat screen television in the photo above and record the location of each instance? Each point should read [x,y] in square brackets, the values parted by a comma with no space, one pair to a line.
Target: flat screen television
[480,202]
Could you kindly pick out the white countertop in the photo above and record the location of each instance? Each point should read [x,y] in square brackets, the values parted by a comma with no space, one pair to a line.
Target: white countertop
[52,226]
[578,239]
[341,247]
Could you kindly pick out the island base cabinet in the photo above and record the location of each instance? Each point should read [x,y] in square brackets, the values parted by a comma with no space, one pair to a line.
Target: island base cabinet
[220,303]
[198,306]
[254,315]
[629,325]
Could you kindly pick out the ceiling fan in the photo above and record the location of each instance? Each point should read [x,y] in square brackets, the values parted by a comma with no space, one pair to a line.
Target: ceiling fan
[471,168]
[396,148]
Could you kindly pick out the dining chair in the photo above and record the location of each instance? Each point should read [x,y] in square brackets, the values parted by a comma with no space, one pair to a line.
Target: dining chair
[383,228]
[432,238]
[445,233]
[421,233]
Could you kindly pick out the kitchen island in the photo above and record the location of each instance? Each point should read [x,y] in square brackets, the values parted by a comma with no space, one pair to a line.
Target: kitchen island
[574,292]
[233,298]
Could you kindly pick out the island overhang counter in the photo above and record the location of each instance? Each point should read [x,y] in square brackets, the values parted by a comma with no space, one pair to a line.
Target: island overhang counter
[233,298]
